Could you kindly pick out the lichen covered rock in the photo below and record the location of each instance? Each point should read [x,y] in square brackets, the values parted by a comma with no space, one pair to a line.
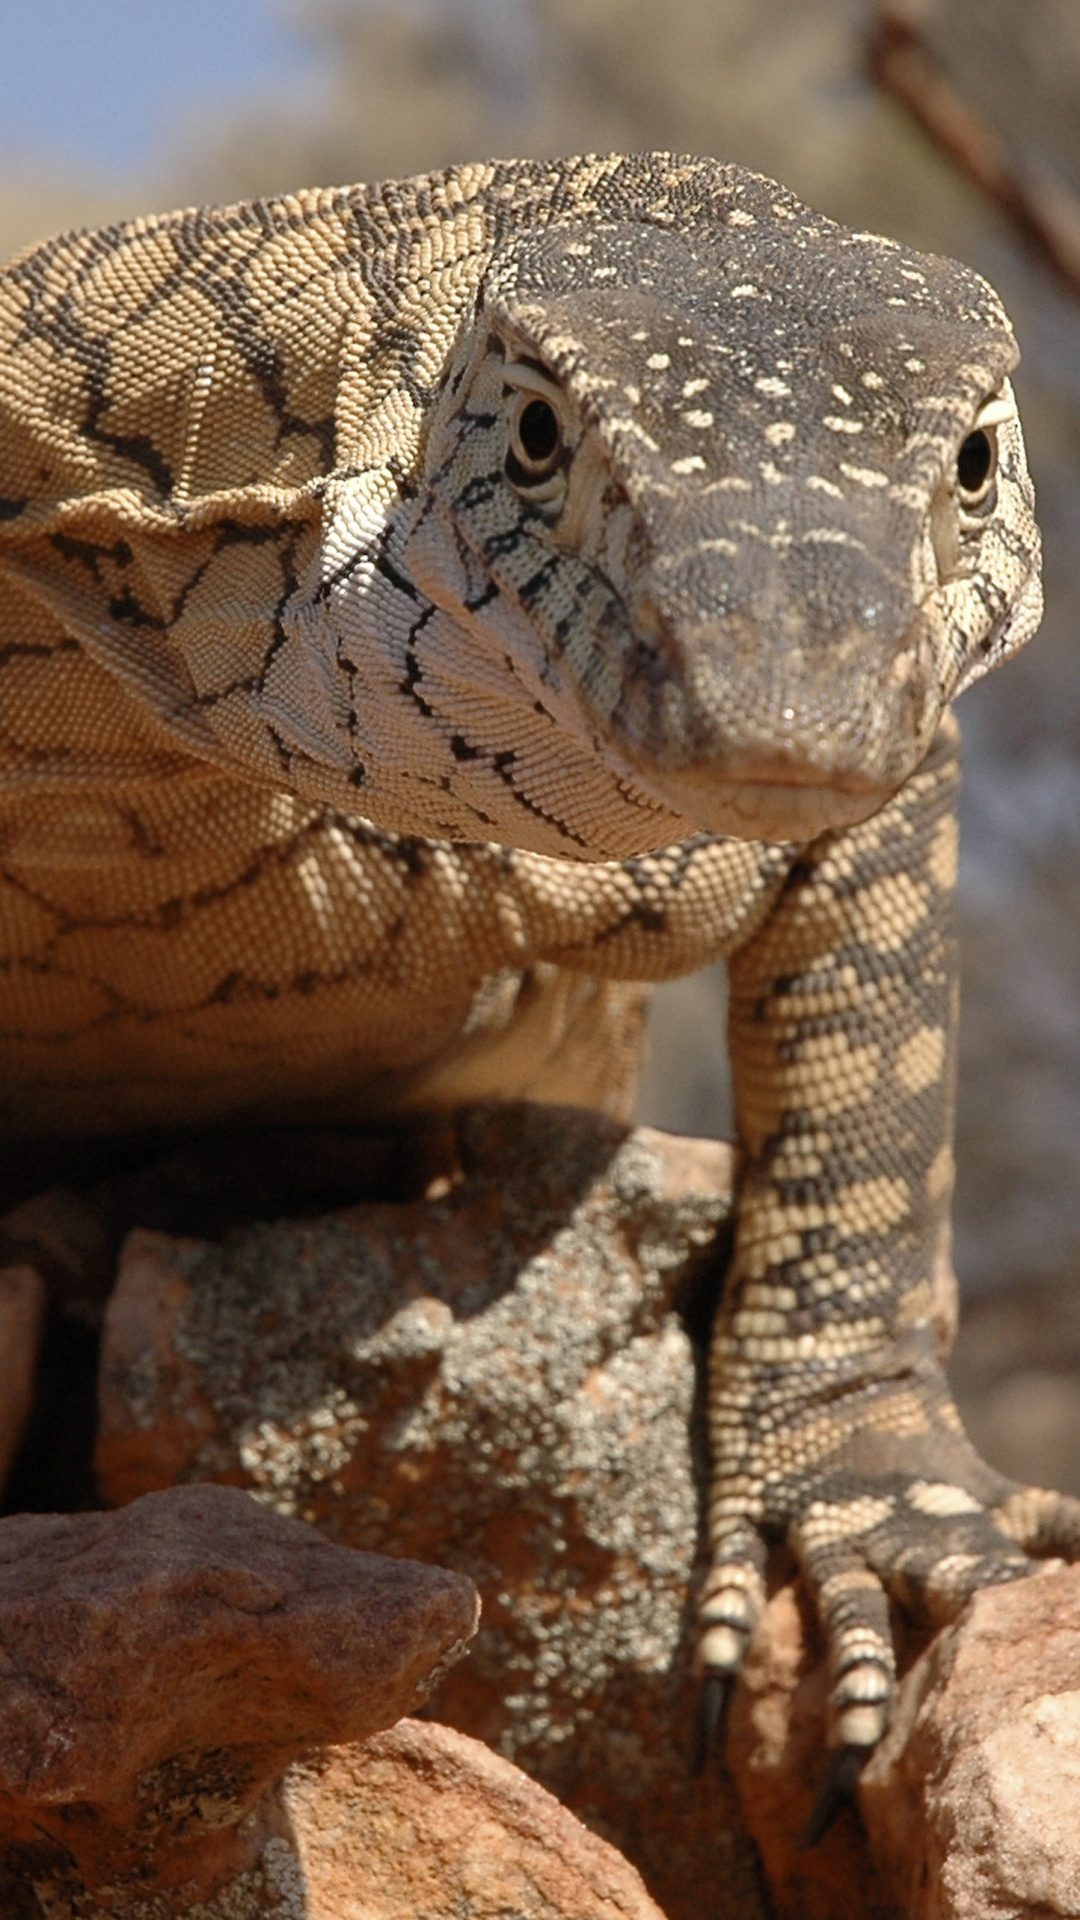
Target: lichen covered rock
[503,1380]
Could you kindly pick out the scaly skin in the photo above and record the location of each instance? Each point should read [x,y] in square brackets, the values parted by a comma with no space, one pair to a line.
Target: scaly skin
[429,612]
[831,1419]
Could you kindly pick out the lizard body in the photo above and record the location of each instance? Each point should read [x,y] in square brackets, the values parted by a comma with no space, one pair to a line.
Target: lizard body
[429,612]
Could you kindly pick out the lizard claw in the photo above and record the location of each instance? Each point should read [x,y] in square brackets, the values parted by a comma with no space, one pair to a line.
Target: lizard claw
[712,1704]
[733,1596]
[835,1792]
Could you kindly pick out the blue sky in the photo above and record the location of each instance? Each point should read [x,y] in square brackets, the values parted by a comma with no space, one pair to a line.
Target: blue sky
[106,83]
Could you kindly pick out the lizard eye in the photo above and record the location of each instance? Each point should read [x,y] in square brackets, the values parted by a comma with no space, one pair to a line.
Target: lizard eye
[536,441]
[976,466]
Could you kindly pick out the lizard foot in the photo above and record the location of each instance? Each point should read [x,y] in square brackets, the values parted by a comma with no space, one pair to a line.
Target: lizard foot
[898,1511]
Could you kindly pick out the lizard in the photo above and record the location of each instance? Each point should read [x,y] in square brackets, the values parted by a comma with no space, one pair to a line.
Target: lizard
[432,612]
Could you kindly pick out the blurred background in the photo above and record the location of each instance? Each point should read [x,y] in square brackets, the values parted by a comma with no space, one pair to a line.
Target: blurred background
[109,107]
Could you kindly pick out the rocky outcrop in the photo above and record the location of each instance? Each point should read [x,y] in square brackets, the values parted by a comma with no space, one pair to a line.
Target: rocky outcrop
[502,1379]
[162,1667]
[972,1803]
[505,1376]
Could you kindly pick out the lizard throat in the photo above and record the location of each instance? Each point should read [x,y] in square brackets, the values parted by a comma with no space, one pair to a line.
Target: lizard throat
[766,803]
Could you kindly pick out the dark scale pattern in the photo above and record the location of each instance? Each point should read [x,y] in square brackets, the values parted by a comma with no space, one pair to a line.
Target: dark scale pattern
[353,759]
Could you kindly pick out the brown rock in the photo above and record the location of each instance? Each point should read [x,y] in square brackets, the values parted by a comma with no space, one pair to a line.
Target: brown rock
[161,1668]
[423,1822]
[63,1237]
[500,1380]
[776,1751]
[972,1802]
[22,1304]
[970,1805]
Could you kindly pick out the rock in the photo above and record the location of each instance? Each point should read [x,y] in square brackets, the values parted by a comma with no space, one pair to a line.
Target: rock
[776,1751]
[969,1806]
[163,1665]
[22,1304]
[422,1821]
[206,1183]
[972,1803]
[418,1823]
[60,1235]
[503,1380]
[59,1240]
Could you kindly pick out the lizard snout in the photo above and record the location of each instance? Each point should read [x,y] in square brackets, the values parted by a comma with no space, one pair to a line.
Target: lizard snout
[755,729]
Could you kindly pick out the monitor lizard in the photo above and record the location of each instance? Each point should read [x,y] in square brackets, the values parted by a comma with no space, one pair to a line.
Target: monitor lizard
[431,611]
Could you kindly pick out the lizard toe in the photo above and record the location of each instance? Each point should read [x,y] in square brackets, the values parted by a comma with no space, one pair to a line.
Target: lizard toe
[1042,1522]
[852,1606]
[733,1595]
[937,1544]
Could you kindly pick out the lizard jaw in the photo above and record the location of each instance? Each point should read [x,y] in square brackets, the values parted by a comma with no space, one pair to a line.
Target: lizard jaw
[772,801]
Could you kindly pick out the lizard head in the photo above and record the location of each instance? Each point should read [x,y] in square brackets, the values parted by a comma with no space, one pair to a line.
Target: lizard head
[739,497]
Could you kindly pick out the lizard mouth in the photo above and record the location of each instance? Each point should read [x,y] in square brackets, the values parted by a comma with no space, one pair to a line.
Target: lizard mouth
[773,799]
